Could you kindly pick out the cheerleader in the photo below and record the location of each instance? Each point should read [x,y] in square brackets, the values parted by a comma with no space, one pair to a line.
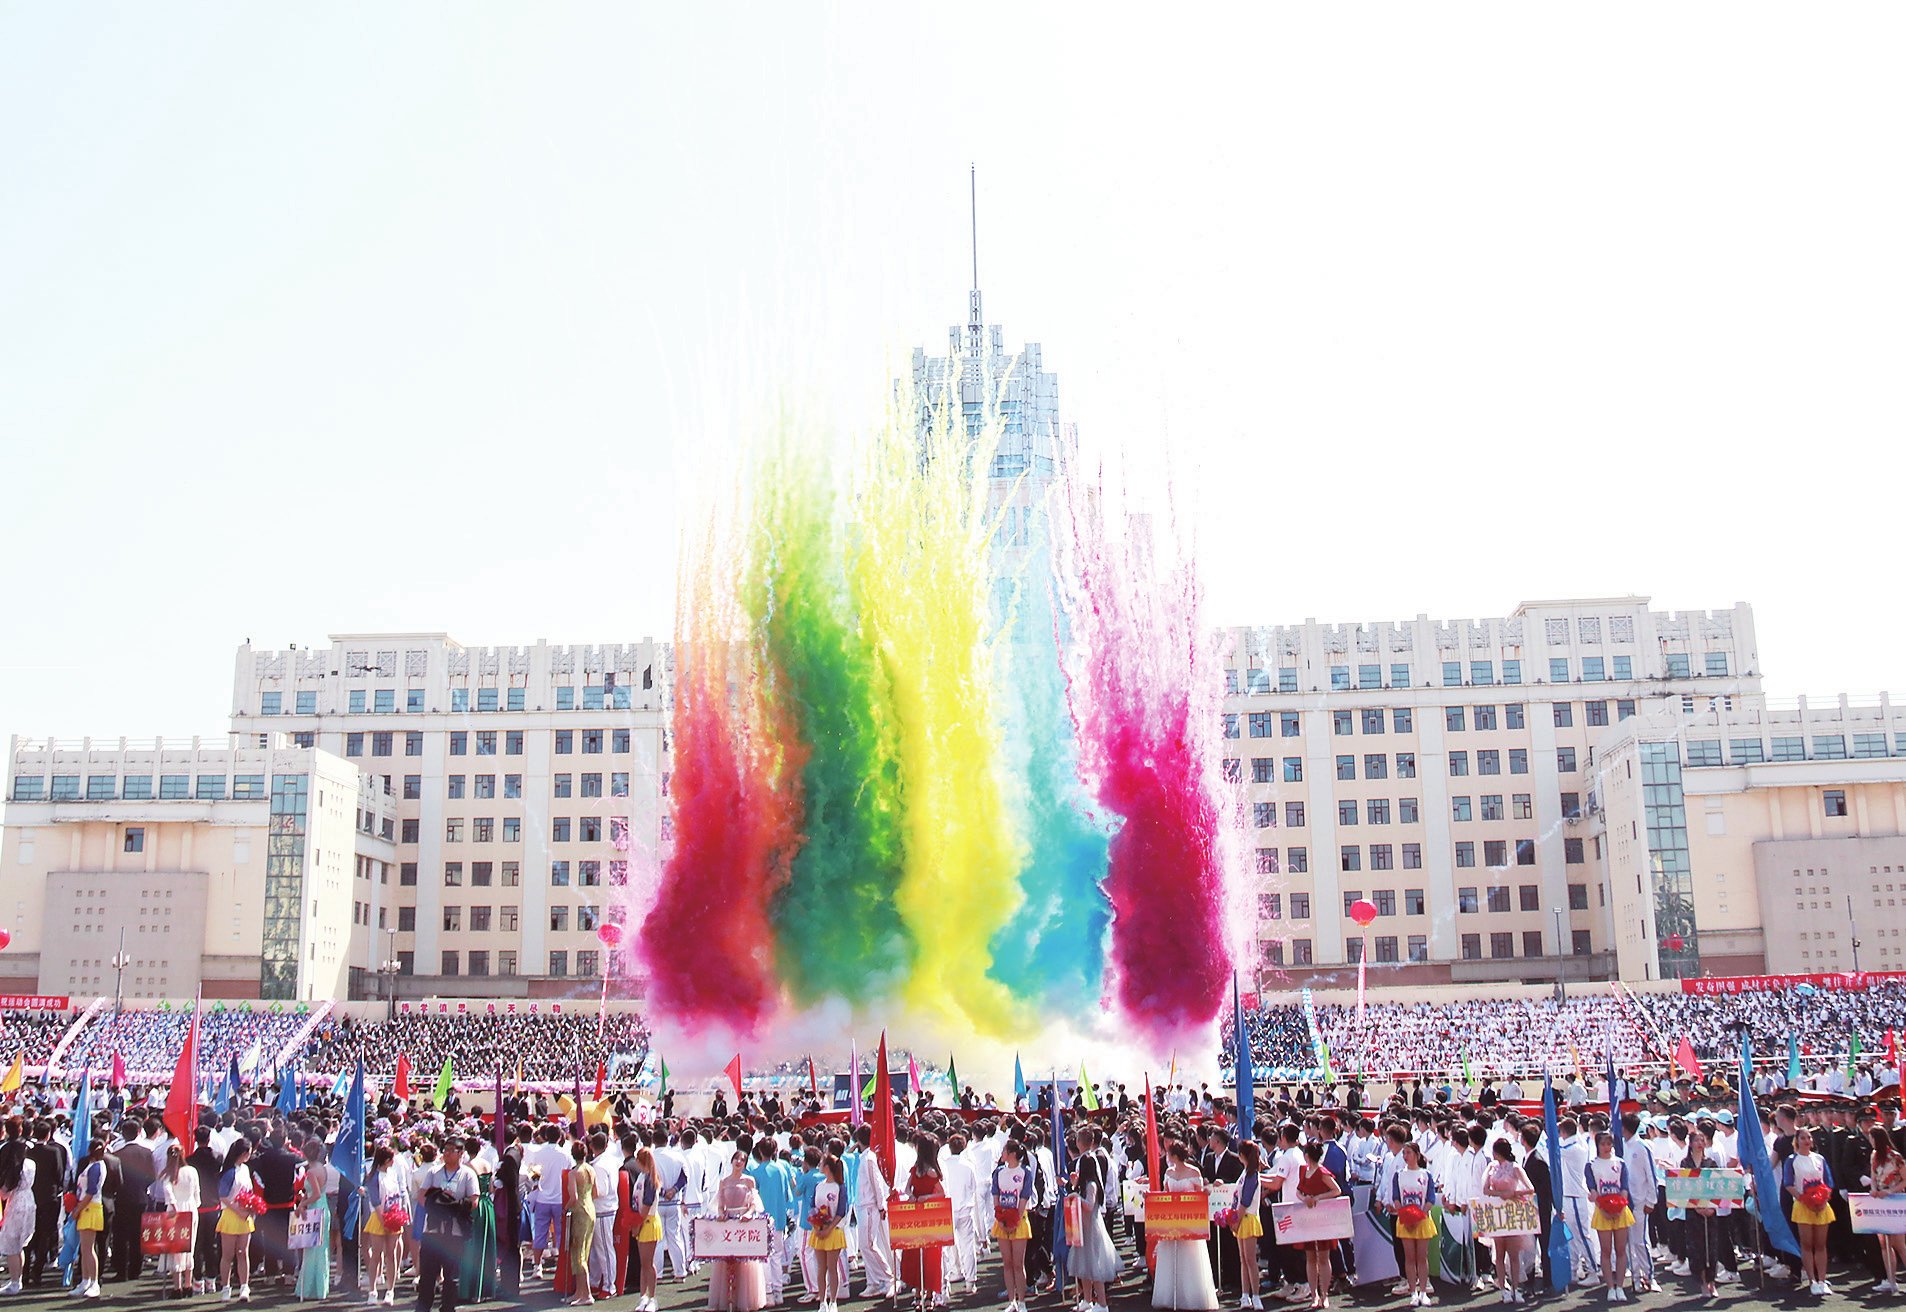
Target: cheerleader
[1012,1189]
[1614,1212]
[1412,1194]
[236,1222]
[1808,1178]
[824,1233]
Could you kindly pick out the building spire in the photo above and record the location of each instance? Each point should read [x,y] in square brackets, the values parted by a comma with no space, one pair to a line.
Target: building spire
[975,323]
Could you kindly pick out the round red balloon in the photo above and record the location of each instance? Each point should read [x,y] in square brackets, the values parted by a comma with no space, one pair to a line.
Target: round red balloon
[1363,911]
[1676,942]
[609,933]
[6,937]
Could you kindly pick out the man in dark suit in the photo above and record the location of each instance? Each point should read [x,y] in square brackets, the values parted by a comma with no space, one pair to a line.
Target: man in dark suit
[137,1171]
[509,1211]
[1539,1176]
[206,1165]
[1220,1165]
[51,1166]
[275,1168]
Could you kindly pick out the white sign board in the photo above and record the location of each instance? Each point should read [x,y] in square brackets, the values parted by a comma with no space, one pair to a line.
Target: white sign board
[718,1238]
[1877,1216]
[1296,1223]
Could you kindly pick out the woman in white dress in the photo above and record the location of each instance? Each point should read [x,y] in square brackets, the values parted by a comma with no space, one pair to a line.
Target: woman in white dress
[17,1172]
[1183,1279]
[177,1190]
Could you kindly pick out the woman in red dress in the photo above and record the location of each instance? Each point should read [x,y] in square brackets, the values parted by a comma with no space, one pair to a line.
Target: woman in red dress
[1313,1183]
[920,1267]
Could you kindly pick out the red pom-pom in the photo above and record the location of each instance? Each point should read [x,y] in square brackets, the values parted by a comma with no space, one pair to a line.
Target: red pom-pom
[1816,1195]
[1411,1215]
[1613,1204]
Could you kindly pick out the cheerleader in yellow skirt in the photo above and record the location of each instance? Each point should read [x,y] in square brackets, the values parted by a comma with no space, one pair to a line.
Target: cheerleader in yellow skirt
[90,1219]
[235,1223]
[1614,1213]
[1249,1228]
[824,1233]
[1412,1194]
[1012,1190]
[1809,1180]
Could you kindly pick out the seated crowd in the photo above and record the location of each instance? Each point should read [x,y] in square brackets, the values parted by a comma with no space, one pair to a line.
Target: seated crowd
[546,1046]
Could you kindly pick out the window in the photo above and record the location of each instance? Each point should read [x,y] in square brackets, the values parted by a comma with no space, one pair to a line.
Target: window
[558,959]
[1263,771]
[1829,747]
[1346,767]
[1483,717]
[1717,664]
[414,701]
[407,874]
[1482,672]
[1624,709]
[1406,765]
[1578,895]
[486,742]
[1492,806]
[592,742]
[1532,943]
[1260,724]
[1270,906]
[559,918]
[406,920]
[1558,669]
[1521,806]
[138,787]
[1381,857]
[248,785]
[101,787]
[407,831]
[1231,729]
[587,962]
[1293,769]
[1300,906]
[1399,675]
[483,786]
[135,839]
[1287,678]
[459,743]
[480,962]
[1564,715]
[1571,806]
[592,698]
[1578,942]
[480,873]
[1472,947]
[512,873]
[592,785]
[1376,766]
[1495,855]
[562,785]
[1466,857]
[1401,719]
[565,741]
[1297,861]
[1595,713]
[1678,665]
[1293,815]
[1502,944]
[1592,669]
[1266,861]
[559,829]
[271,703]
[453,873]
[512,785]
[1459,808]
[354,744]
[1342,723]
[589,829]
[413,787]
[1369,676]
[1466,900]
[483,829]
[1300,952]
[1273,952]
[1518,760]
[1453,718]
[1378,810]
[1347,812]
[1864,745]
[172,787]
[357,701]
[1340,678]
[1413,860]
[513,740]
[1835,799]
[1419,947]
[1288,724]
[1264,815]
[1565,760]
[1452,674]
[1512,716]
[1412,901]
[1352,858]
[209,788]
[1572,851]
[506,960]
[1704,751]
[1353,950]
[1528,897]
[1459,763]
[1385,900]
[1624,667]
[453,786]
[1790,749]
[453,918]
[1386,949]
[559,873]
[413,744]
[1373,720]
[460,700]
[307,703]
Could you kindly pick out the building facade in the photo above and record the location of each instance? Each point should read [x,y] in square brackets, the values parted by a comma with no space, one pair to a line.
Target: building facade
[173,868]
[1761,838]
[528,781]
[1441,770]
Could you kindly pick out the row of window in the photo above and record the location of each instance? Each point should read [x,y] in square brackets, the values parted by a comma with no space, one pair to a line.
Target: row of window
[383,701]
[506,919]
[565,742]
[509,874]
[588,963]
[483,786]
[1376,810]
[1794,747]
[1501,946]
[1401,719]
[562,829]
[139,788]
[1384,856]
[1594,669]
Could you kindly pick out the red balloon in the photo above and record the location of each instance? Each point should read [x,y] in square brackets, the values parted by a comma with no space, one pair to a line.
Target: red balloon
[609,933]
[6,937]
[1676,942]
[1363,911]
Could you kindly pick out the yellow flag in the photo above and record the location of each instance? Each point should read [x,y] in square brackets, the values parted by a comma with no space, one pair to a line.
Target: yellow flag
[16,1074]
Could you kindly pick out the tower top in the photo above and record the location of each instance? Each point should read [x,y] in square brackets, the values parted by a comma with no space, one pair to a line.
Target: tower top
[975,322]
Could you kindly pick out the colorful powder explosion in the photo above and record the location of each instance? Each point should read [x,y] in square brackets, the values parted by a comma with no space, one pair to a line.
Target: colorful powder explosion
[895,789]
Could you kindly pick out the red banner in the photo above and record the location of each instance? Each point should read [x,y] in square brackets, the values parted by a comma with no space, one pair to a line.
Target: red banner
[925,1223]
[35,1001]
[1849,982]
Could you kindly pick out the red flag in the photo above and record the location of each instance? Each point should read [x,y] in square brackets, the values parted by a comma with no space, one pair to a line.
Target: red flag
[400,1087]
[119,1070]
[883,1113]
[182,1099]
[1152,1163]
[813,1081]
[913,1077]
[1684,1058]
[602,1075]
[734,1075]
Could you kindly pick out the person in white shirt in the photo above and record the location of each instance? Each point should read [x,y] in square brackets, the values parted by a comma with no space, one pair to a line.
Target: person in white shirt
[602,1250]
[544,1162]
[1577,1149]
[1511,1090]
[671,1171]
[1645,1188]
[871,1192]
[962,1186]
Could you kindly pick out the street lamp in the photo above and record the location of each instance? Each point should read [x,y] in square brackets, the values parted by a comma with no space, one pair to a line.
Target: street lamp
[120,960]
[1561,960]
[387,973]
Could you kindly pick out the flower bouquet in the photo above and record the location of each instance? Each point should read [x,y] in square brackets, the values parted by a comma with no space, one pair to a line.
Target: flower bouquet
[821,1218]
[1227,1218]
[1612,1203]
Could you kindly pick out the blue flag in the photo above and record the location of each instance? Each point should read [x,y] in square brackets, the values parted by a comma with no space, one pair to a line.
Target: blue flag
[1752,1147]
[1059,1237]
[347,1151]
[222,1100]
[1793,1061]
[340,1085]
[83,1110]
[1614,1101]
[233,1078]
[1020,1092]
[287,1094]
[1558,1259]
[1246,1077]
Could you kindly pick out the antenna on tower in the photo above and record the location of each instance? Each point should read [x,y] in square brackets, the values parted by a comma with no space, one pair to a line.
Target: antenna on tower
[975,323]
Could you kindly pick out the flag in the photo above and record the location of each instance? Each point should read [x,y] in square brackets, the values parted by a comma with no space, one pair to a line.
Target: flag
[1151,1136]
[602,1078]
[181,1100]
[227,1089]
[953,1078]
[254,1057]
[16,1073]
[119,1070]
[341,1085]
[1576,1057]
[400,1087]
[519,1077]
[733,1071]
[446,1081]
[1684,1058]
[287,1099]
[1752,1147]
[1614,1103]
[83,1109]
[913,1077]
[1894,1058]
[347,1151]
[1852,1056]
[1323,1053]
[661,1076]
[1793,1064]
[813,1081]
[1087,1094]
[855,1112]
[1020,1092]
[883,1112]
[499,1133]
[1469,1080]
[1246,1077]
[232,1076]
[582,1113]
[1059,1237]
[1558,1259]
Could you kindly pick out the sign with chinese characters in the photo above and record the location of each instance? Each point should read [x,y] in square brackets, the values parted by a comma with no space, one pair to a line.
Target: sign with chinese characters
[1719,1184]
[717,1238]
[1177,1216]
[35,1001]
[1843,982]
[923,1223]
[1297,1223]
[1495,1217]
[1877,1216]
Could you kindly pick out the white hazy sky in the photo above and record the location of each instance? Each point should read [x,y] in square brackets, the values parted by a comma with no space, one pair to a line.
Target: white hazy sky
[387,315]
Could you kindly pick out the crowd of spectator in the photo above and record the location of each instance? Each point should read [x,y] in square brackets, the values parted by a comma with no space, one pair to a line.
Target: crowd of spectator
[546,1046]
[1825,1019]
[33,1033]
[150,1041]
[1279,1038]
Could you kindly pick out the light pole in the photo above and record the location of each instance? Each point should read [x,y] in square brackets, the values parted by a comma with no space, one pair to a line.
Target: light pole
[1561,960]
[120,960]
[1853,932]
[387,973]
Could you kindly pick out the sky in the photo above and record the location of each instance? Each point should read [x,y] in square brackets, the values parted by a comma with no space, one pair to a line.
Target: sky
[394,316]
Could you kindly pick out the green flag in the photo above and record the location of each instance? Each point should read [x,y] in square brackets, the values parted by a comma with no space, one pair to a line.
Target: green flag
[1853,1055]
[1323,1051]
[867,1089]
[1467,1077]
[1087,1091]
[444,1081]
[662,1092]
